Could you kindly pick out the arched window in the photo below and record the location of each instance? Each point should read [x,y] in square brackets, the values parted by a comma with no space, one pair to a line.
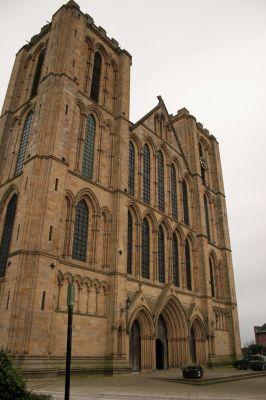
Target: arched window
[202,169]
[96,77]
[131,169]
[38,72]
[145,250]
[129,243]
[23,143]
[146,174]
[188,265]
[201,153]
[7,234]
[185,202]
[161,256]
[80,232]
[88,149]
[173,192]
[160,167]
[207,221]
[175,261]
[212,278]
[203,177]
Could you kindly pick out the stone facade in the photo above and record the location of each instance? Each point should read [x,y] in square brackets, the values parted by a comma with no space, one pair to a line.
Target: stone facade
[184,306]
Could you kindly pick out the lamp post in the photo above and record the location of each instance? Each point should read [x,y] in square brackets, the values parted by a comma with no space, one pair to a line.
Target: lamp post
[70,304]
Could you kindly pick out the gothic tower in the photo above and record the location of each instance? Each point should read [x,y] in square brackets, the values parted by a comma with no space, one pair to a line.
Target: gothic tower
[133,214]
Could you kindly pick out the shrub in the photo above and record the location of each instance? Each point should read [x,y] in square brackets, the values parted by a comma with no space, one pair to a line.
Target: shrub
[12,386]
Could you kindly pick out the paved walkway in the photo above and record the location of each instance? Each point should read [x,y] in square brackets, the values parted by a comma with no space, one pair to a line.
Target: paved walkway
[159,385]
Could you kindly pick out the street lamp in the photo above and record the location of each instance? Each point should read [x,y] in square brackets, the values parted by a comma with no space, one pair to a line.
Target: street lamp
[70,305]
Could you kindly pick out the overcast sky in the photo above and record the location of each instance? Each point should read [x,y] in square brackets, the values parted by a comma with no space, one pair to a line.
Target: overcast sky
[210,57]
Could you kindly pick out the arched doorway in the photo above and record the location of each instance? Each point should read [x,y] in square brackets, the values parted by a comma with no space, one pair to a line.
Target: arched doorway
[192,346]
[135,347]
[159,354]
[198,342]
[161,345]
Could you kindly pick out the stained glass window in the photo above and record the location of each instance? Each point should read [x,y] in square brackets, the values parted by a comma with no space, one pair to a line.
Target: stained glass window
[145,250]
[160,166]
[80,232]
[175,261]
[185,202]
[7,234]
[96,77]
[188,265]
[131,171]
[173,192]
[161,256]
[146,174]
[23,144]
[88,149]
[207,221]
[129,243]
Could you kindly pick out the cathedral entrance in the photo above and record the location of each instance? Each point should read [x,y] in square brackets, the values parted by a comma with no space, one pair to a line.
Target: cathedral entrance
[192,346]
[135,347]
[161,345]
[159,354]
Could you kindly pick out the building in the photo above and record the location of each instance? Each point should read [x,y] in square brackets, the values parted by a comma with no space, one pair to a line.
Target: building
[260,335]
[133,214]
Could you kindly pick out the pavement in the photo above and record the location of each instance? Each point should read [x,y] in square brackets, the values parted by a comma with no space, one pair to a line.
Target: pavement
[217,384]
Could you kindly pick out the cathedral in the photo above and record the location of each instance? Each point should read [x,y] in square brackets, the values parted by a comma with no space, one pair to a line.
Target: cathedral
[132,213]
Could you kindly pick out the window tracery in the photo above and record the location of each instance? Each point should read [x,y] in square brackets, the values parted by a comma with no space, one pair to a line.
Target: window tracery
[88,148]
[161,255]
[160,166]
[146,174]
[23,144]
[131,169]
[173,191]
[145,250]
[175,261]
[80,232]
[129,243]
[188,265]
[185,202]
[7,234]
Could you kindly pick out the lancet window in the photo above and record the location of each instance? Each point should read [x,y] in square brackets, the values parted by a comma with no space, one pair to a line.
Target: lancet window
[23,143]
[80,232]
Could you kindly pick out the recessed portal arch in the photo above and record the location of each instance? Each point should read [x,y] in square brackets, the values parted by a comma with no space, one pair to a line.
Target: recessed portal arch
[161,345]
[198,341]
[141,341]
[173,316]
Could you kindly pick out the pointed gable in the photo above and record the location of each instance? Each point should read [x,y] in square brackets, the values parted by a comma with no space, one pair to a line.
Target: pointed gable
[158,122]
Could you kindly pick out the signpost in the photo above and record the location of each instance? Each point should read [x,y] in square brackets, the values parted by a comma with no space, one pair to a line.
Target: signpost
[70,304]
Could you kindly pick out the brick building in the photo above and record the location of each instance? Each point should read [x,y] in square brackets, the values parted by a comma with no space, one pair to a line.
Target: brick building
[260,335]
[133,214]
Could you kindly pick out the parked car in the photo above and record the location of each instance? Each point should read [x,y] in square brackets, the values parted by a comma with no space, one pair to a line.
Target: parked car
[193,371]
[258,363]
[245,363]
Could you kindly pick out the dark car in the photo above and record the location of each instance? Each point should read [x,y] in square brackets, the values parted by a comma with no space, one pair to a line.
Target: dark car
[193,371]
[258,363]
[245,363]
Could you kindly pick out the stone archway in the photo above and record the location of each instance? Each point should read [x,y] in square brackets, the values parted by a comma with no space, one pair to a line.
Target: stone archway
[192,346]
[141,341]
[198,342]
[161,345]
[135,347]
[177,349]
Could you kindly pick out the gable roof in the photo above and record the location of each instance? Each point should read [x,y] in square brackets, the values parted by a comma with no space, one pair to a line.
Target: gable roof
[161,104]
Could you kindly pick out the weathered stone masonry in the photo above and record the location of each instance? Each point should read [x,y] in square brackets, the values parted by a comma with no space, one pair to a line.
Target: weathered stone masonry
[133,214]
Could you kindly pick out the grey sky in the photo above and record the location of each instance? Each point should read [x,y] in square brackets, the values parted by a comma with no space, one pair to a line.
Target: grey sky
[210,57]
